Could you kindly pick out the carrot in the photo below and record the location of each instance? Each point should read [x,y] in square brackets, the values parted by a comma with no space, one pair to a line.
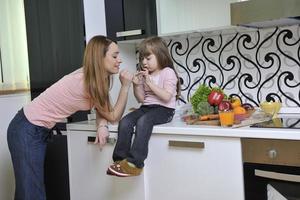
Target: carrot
[209,117]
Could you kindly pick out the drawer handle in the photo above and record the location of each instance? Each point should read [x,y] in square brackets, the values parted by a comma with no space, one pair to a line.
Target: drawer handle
[129,33]
[277,176]
[110,140]
[188,144]
[272,153]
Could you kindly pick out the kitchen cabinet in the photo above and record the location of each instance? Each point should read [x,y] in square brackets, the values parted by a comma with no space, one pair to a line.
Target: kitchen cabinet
[178,167]
[194,167]
[55,38]
[130,19]
[181,15]
[87,171]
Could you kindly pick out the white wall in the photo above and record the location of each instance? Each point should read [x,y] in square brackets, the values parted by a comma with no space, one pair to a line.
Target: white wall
[95,24]
[128,56]
[9,105]
[94,16]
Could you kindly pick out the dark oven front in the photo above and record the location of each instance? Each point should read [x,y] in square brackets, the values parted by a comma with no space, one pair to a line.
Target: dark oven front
[271,169]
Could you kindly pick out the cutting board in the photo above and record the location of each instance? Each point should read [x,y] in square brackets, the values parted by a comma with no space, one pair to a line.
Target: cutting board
[252,121]
[207,123]
[247,122]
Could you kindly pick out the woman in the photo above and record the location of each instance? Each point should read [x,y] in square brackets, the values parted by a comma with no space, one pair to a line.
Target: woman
[83,89]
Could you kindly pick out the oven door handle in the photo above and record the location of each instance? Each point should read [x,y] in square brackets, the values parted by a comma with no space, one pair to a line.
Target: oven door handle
[277,176]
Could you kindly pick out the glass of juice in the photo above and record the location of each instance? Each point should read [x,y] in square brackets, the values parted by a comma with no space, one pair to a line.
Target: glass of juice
[226,118]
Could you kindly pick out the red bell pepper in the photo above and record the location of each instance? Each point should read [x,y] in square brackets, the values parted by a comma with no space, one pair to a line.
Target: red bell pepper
[215,98]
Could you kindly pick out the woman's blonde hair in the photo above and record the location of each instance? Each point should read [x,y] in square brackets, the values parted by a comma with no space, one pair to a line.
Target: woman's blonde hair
[157,46]
[97,80]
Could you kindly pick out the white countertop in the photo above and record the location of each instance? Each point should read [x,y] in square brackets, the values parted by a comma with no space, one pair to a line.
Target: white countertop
[180,128]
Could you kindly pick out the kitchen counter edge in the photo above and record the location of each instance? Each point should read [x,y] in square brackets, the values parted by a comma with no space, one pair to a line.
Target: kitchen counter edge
[180,128]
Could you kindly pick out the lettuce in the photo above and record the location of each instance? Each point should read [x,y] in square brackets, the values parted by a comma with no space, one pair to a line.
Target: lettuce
[200,95]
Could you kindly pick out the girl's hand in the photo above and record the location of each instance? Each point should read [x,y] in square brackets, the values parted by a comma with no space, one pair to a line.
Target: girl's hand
[138,78]
[147,77]
[125,77]
[102,135]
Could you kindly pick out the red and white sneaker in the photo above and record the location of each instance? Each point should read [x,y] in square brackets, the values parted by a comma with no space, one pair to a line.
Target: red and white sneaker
[123,169]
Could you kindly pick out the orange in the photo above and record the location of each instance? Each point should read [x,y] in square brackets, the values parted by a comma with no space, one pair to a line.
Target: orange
[239,110]
[235,102]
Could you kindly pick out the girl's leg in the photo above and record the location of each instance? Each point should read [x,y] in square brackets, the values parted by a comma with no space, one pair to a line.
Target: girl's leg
[27,145]
[125,132]
[144,127]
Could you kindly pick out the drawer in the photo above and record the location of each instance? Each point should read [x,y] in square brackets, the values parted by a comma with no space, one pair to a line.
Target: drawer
[271,151]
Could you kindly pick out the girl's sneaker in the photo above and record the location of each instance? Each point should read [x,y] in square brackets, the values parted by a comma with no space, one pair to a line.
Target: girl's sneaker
[124,169]
[108,172]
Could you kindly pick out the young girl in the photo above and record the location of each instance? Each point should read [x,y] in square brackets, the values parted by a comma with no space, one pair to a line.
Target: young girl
[83,89]
[156,86]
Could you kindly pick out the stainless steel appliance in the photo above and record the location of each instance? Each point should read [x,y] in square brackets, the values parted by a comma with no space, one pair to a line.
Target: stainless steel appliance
[271,169]
[286,122]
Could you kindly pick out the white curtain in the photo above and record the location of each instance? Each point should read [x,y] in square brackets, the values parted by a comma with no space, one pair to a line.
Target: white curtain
[13,45]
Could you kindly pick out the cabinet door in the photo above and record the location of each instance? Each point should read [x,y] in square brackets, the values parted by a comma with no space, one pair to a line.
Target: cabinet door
[130,19]
[55,37]
[182,15]
[193,168]
[140,15]
[87,172]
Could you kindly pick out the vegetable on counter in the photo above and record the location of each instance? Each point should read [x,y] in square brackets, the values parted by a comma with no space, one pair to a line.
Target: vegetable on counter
[199,100]
[208,117]
[215,97]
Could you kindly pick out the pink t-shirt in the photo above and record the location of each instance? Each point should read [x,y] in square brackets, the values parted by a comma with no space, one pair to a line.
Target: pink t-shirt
[167,80]
[59,101]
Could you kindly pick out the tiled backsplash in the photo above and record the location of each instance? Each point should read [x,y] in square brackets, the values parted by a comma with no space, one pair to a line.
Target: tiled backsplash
[256,66]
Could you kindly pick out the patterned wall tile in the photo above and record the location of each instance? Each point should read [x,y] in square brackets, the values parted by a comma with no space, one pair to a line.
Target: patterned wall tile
[255,66]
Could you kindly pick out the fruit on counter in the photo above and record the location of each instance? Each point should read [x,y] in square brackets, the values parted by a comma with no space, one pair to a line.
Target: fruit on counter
[248,106]
[224,105]
[239,110]
[235,102]
[215,97]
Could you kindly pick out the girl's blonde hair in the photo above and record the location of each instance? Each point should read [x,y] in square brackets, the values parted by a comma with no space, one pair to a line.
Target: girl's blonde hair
[158,47]
[97,81]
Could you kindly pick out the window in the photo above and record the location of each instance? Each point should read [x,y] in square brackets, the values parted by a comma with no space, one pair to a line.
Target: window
[14,70]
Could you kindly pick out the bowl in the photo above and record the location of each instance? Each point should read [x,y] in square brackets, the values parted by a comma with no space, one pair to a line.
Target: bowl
[270,108]
[240,117]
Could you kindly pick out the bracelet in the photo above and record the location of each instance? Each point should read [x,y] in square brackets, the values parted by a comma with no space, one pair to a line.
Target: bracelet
[102,125]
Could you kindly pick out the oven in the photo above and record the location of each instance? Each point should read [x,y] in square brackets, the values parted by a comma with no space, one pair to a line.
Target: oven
[271,169]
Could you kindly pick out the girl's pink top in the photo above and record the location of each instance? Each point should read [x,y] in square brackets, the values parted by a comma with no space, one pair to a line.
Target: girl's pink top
[59,101]
[167,80]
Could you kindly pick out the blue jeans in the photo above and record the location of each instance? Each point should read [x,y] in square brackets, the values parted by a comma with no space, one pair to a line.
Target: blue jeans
[27,145]
[143,119]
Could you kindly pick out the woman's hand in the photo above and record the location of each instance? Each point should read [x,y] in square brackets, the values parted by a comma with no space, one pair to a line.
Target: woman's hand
[102,135]
[125,77]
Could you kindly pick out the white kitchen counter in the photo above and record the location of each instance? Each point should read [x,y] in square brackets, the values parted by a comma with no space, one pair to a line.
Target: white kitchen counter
[180,128]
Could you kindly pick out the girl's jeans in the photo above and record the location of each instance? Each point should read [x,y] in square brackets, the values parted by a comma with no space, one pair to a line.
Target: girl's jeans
[143,120]
[27,145]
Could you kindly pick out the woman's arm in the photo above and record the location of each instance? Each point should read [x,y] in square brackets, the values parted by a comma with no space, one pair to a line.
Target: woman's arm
[102,131]
[118,109]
